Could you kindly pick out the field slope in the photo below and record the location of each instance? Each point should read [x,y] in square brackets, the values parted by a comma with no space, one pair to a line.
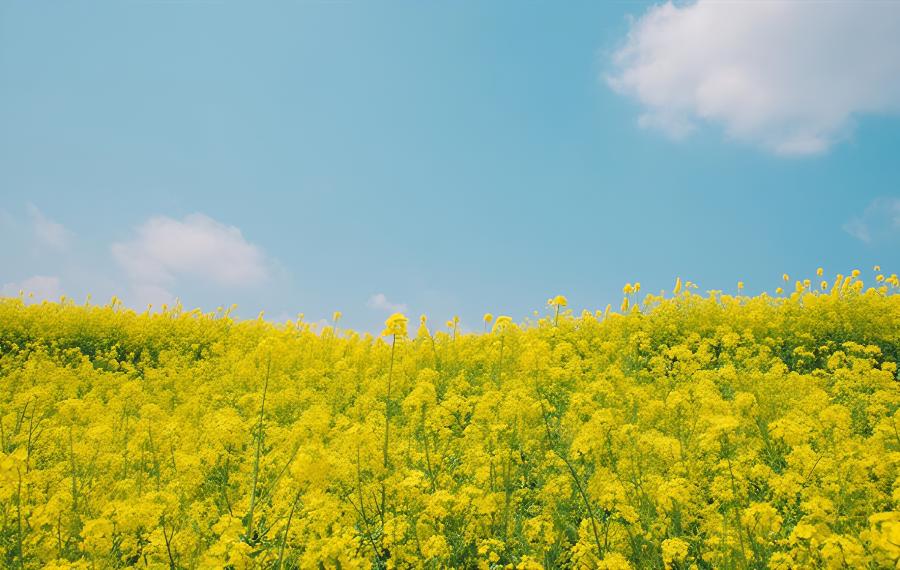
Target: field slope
[691,431]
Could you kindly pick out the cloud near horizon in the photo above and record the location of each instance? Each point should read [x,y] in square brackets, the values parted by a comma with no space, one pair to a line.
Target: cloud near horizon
[380,302]
[36,288]
[165,250]
[880,221]
[787,76]
[48,232]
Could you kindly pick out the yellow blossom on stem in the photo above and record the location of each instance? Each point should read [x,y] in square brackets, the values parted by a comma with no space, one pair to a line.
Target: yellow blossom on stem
[502,323]
[395,325]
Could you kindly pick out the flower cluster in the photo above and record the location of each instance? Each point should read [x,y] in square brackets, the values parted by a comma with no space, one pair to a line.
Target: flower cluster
[687,431]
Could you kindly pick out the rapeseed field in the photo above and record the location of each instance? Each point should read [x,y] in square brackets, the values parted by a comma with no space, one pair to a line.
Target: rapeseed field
[683,430]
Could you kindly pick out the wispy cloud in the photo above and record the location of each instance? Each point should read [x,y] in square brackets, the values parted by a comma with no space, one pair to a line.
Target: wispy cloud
[880,221]
[788,76]
[380,302]
[36,288]
[199,247]
[48,232]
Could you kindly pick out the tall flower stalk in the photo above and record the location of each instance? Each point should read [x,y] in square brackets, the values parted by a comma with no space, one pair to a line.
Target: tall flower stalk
[259,445]
[395,326]
[557,302]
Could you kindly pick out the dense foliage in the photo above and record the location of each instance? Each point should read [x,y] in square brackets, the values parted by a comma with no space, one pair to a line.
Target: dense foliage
[687,431]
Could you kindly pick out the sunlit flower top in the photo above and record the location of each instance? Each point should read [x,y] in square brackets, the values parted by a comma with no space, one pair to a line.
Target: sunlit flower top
[423,327]
[502,323]
[558,301]
[395,325]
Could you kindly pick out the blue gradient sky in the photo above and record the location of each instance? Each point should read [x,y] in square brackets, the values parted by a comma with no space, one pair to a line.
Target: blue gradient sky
[457,158]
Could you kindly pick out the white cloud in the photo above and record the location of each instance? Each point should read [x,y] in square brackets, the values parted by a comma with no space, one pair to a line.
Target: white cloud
[143,294]
[879,222]
[380,302]
[48,232]
[198,246]
[36,288]
[787,75]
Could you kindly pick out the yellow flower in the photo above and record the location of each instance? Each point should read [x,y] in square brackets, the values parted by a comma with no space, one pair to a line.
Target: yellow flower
[788,405]
[779,290]
[435,547]
[785,277]
[336,316]
[763,519]
[423,332]
[614,561]
[627,288]
[637,287]
[677,286]
[819,271]
[395,325]
[674,550]
[558,301]
[502,323]
[876,268]
[98,536]
[803,532]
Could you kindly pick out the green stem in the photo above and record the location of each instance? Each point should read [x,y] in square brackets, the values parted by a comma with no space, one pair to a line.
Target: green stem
[72,469]
[387,426]
[19,515]
[287,528]
[168,540]
[362,512]
[259,444]
[500,363]
[577,481]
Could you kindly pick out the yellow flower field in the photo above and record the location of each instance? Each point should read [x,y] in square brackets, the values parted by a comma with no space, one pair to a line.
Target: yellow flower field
[688,430]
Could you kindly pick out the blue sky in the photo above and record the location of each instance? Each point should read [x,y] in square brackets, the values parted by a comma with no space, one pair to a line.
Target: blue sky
[440,158]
